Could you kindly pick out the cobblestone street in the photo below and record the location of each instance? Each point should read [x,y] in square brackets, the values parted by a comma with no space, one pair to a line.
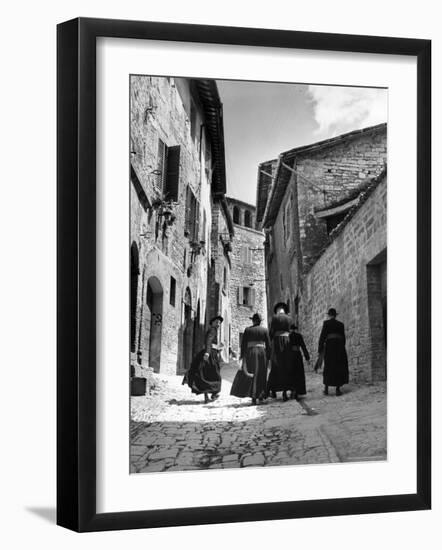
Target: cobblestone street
[172,429]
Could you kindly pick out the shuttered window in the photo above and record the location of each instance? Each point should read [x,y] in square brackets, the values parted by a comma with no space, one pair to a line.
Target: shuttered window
[171,188]
[161,165]
[192,216]
[168,171]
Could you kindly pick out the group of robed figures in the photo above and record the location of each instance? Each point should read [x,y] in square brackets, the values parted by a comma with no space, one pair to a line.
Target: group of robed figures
[271,360]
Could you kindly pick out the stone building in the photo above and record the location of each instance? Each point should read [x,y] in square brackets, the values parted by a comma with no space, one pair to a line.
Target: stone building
[247,293]
[178,185]
[221,271]
[323,209]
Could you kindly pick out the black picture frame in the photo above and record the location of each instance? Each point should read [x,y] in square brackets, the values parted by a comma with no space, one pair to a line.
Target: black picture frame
[76,273]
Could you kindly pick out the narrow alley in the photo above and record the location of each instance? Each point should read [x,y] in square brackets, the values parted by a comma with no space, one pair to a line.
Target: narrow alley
[171,429]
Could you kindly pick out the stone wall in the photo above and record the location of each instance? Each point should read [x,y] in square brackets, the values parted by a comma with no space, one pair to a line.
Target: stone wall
[160,110]
[321,177]
[334,172]
[247,273]
[350,276]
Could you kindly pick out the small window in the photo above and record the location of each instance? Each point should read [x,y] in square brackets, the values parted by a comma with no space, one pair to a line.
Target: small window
[193,120]
[246,255]
[172,291]
[236,215]
[225,280]
[246,296]
[247,219]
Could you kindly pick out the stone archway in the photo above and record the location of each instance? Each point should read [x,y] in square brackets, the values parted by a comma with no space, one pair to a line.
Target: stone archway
[154,301]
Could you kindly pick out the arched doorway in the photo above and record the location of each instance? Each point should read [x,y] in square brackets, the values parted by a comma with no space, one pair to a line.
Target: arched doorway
[154,301]
[187,330]
[134,272]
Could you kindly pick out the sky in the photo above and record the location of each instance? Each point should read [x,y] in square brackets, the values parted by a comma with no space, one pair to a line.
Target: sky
[261,120]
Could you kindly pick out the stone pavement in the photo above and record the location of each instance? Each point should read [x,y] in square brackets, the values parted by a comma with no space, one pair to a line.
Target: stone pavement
[172,429]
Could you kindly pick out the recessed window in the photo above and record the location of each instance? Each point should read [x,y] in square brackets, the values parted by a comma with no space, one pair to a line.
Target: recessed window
[193,120]
[172,291]
[246,255]
[246,296]
[236,215]
[247,219]
[225,280]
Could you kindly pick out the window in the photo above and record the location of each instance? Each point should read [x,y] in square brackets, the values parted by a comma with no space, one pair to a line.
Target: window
[246,296]
[191,228]
[168,171]
[192,120]
[236,215]
[225,280]
[247,219]
[246,255]
[172,291]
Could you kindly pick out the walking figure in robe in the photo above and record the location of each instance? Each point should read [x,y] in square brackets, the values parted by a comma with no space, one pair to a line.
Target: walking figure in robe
[281,376]
[251,380]
[297,344]
[204,374]
[332,346]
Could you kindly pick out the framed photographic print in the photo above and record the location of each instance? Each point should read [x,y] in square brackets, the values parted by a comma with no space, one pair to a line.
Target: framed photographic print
[226,198]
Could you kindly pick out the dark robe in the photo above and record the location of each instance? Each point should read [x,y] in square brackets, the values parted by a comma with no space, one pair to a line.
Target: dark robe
[281,376]
[255,359]
[297,343]
[204,376]
[332,345]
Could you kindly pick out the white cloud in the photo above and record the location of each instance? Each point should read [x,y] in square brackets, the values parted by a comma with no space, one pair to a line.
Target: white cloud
[340,109]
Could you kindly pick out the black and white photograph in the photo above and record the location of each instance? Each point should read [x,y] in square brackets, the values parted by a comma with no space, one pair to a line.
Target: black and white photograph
[258,274]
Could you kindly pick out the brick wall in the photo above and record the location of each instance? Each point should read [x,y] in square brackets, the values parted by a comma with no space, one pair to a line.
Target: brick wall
[350,276]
